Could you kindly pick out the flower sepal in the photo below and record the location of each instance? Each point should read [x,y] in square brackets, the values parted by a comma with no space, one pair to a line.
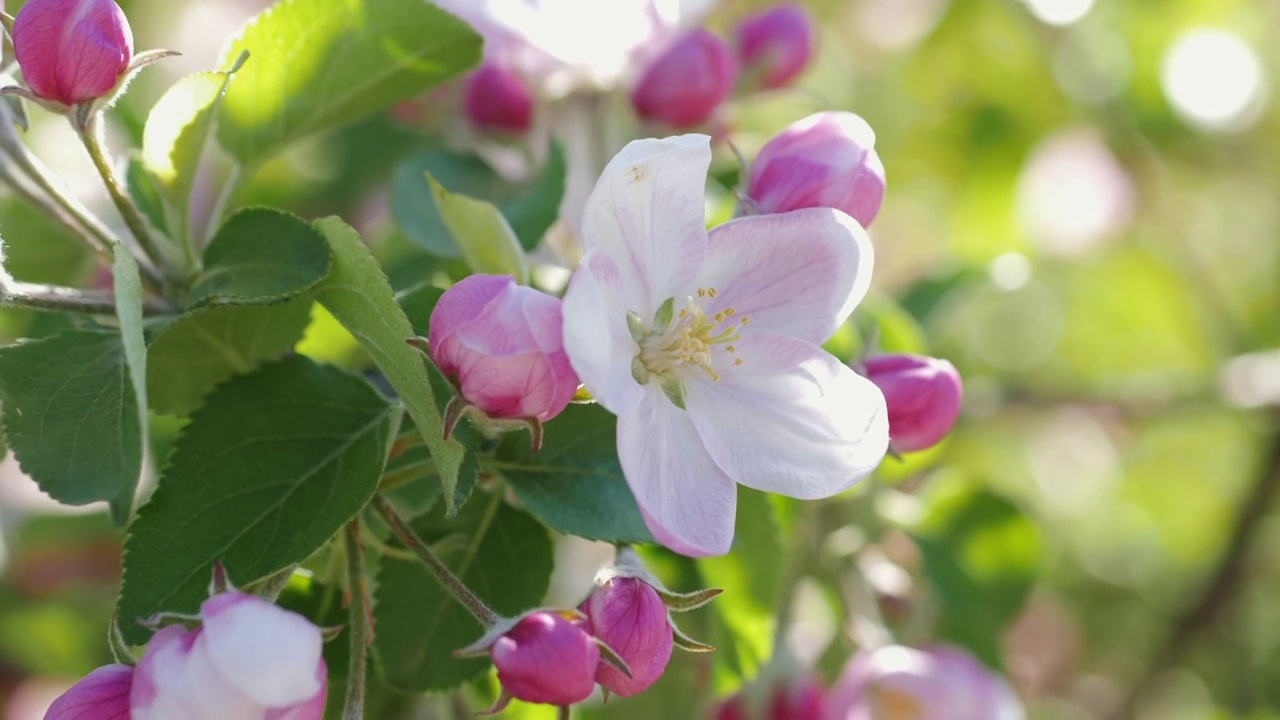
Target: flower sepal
[487,425]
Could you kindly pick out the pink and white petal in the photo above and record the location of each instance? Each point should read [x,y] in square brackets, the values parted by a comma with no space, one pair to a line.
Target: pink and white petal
[648,213]
[312,709]
[161,679]
[799,273]
[465,301]
[103,695]
[263,650]
[687,502]
[791,419]
[596,338]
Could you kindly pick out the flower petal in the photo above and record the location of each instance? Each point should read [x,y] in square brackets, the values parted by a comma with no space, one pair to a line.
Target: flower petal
[596,338]
[176,681]
[312,709]
[791,419]
[799,273]
[647,213]
[103,695]
[687,502]
[266,652]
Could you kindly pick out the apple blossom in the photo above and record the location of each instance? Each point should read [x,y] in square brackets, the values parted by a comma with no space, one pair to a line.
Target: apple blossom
[72,51]
[495,98]
[541,40]
[546,658]
[502,343]
[825,160]
[628,615]
[934,683]
[707,345]
[250,660]
[923,396]
[774,46]
[684,86]
[103,695]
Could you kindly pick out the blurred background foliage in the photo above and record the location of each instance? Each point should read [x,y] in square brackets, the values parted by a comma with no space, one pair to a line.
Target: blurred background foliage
[1081,215]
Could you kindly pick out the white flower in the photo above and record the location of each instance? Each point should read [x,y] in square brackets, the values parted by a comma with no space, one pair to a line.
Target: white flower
[707,345]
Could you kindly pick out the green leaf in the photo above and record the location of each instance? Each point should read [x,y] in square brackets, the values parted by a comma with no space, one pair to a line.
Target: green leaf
[505,559]
[144,193]
[753,572]
[418,303]
[575,484]
[261,255]
[128,290]
[479,230]
[981,555]
[357,293]
[318,64]
[206,346]
[270,467]
[529,208]
[72,417]
[174,137]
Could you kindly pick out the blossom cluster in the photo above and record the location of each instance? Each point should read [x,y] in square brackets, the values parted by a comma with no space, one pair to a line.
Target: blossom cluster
[674,72]
[707,344]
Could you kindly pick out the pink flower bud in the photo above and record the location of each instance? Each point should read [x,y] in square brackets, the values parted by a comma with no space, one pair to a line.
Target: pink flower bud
[775,45]
[503,344]
[250,660]
[497,99]
[803,699]
[546,658]
[685,84]
[936,683]
[825,160]
[103,695]
[923,395]
[630,617]
[72,51]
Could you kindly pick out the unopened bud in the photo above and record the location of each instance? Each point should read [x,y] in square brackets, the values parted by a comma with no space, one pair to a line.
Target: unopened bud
[825,160]
[497,99]
[628,615]
[546,658]
[685,84]
[801,699]
[502,345]
[923,395]
[72,51]
[776,45]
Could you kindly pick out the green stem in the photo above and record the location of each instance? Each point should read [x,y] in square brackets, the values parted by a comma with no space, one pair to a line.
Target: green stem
[36,296]
[357,585]
[562,712]
[451,583]
[91,136]
[408,473]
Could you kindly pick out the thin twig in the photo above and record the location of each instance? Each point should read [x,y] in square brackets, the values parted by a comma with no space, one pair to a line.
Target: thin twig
[451,583]
[358,624]
[1221,589]
[37,296]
